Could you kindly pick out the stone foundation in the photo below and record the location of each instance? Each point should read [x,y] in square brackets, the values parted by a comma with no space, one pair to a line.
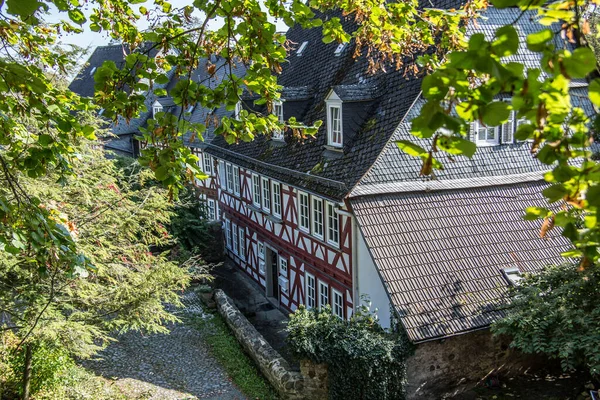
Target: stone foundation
[446,367]
[310,383]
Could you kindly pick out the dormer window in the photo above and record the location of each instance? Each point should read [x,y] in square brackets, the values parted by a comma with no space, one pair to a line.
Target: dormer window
[156,109]
[486,135]
[238,110]
[301,48]
[278,111]
[512,275]
[334,121]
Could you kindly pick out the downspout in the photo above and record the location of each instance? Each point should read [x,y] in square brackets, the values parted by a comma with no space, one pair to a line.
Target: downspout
[354,244]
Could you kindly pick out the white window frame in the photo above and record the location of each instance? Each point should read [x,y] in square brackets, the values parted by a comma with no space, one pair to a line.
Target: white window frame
[234,239]
[283,266]
[211,207]
[335,138]
[266,194]
[256,191]
[310,299]
[318,224]
[236,180]
[228,234]
[278,112]
[156,110]
[238,109]
[242,242]
[320,294]
[208,166]
[222,175]
[337,307]
[301,216]
[276,193]
[477,126]
[229,175]
[333,224]
[261,250]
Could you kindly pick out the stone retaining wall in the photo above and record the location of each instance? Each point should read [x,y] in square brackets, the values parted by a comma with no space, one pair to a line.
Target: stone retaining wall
[310,383]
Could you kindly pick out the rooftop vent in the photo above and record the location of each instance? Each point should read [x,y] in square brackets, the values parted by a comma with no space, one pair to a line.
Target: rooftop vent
[339,49]
[512,275]
[301,49]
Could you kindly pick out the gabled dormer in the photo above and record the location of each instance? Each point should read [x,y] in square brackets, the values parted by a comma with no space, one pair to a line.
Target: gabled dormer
[347,108]
[162,104]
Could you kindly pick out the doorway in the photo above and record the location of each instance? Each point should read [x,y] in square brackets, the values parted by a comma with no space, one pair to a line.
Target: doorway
[272,286]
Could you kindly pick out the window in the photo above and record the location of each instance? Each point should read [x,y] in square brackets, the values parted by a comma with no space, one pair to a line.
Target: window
[92,71]
[238,110]
[266,197]
[156,109]
[303,212]
[190,109]
[338,303]
[283,266]
[278,110]
[276,199]
[229,169]
[228,233]
[222,180]
[486,135]
[236,180]
[256,190]
[513,275]
[234,230]
[242,238]
[301,48]
[323,294]
[334,125]
[311,291]
[207,164]
[333,227]
[317,226]
[339,49]
[261,250]
[212,210]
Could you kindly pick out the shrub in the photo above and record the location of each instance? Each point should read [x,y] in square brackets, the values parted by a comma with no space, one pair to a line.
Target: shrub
[364,361]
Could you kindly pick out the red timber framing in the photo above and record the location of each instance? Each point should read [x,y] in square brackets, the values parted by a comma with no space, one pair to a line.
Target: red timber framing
[303,252]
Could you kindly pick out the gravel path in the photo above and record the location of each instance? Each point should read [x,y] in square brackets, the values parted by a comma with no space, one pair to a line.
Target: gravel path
[166,367]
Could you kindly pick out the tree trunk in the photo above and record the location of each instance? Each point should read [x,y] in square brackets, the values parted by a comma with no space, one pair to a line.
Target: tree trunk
[27,372]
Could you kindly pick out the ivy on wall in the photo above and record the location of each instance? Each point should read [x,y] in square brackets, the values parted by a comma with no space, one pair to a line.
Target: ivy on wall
[364,361]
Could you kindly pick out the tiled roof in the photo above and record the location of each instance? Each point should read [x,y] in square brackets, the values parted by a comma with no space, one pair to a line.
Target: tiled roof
[394,166]
[440,254]
[357,92]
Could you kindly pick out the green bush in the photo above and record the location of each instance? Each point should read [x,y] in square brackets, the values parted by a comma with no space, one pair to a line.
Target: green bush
[557,313]
[364,361]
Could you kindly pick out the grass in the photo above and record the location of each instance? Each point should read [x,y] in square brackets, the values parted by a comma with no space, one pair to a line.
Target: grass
[226,349]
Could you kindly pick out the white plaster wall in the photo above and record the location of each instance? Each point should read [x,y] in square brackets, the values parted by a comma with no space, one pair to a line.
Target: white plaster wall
[369,283]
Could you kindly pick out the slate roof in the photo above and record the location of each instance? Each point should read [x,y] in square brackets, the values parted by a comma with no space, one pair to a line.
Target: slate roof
[440,254]
[393,165]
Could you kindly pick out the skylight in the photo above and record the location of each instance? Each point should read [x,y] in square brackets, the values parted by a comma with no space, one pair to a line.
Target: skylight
[92,71]
[190,109]
[513,275]
[339,49]
[301,49]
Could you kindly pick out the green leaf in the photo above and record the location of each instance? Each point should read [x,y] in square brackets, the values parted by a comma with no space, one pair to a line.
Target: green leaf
[580,63]
[162,79]
[593,196]
[537,41]
[410,148]
[555,192]
[594,92]
[505,3]
[495,113]
[507,41]
[22,8]
[457,145]
[77,16]
[533,213]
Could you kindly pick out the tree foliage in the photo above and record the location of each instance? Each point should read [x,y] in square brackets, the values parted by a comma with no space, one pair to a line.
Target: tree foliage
[364,361]
[557,313]
[115,219]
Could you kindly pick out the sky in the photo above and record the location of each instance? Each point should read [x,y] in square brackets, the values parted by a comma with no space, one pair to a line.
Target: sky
[93,39]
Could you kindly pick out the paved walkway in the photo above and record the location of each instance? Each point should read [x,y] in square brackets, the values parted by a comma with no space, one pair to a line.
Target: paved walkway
[252,302]
[166,367]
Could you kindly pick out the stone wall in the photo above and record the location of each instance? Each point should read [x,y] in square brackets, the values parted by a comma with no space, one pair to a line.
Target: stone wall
[441,368]
[309,383]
